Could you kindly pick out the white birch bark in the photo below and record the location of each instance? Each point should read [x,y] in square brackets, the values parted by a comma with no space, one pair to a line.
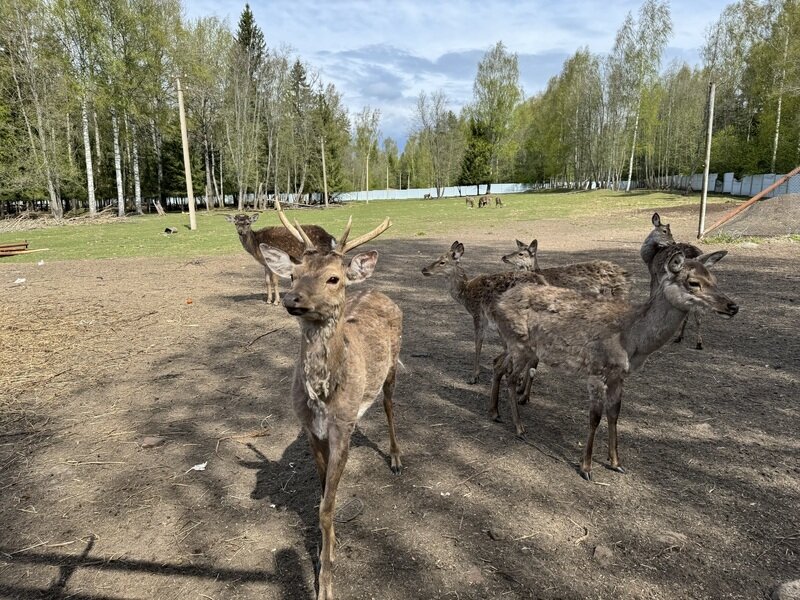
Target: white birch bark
[117,164]
[137,183]
[87,151]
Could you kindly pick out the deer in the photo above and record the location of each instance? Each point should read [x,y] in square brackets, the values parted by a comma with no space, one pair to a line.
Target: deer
[498,203]
[278,237]
[604,341]
[661,237]
[349,351]
[426,197]
[475,294]
[470,202]
[483,201]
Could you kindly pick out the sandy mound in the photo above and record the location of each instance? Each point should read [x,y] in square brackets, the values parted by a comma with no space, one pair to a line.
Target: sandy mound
[770,217]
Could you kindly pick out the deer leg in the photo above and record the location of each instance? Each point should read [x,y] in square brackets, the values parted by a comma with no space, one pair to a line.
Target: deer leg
[613,405]
[339,442]
[478,321]
[527,381]
[268,281]
[394,450]
[276,288]
[678,339]
[699,344]
[320,451]
[597,395]
[499,367]
[511,383]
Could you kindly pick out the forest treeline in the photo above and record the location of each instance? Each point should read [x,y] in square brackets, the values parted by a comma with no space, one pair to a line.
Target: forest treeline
[88,110]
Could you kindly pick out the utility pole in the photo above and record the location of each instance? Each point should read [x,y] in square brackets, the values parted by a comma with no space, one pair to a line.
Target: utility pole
[704,195]
[324,171]
[187,165]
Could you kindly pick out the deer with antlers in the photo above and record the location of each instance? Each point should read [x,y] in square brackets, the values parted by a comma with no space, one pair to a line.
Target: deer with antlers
[348,353]
[277,237]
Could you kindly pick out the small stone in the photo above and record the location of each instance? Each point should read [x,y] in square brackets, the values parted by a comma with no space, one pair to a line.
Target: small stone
[787,591]
[748,245]
[152,441]
[671,539]
[604,555]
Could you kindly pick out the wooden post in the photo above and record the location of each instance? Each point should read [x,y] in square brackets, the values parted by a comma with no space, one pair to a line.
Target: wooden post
[387,178]
[187,165]
[324,172]
[704,195]
[368,153]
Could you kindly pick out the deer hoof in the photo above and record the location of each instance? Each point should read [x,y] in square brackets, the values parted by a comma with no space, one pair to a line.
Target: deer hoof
[678,340]
[587,475]
[396,468]
[521,435]
[522,401]
[699,346]
[616,469]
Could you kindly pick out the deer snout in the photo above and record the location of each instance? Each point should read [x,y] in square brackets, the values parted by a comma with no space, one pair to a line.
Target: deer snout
[425,271]
[505,260]
[293,301]
[730,310]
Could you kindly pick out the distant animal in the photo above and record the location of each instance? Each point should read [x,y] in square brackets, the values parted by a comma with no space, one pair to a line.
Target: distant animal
[498,202]
[483,201]
[661,237]
[427,196]
[277,237]
[349,349]
[475,294]
[604,341]
[470,202]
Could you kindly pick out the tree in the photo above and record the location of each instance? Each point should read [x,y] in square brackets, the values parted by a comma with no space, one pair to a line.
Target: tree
[366,138]
[476,165]
[496,92]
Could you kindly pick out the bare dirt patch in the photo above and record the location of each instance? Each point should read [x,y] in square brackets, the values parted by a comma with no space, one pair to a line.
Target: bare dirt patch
[115,386]
[769,217]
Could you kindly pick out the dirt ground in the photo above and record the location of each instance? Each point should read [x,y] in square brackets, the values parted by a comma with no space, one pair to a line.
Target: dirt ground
[768,217]
[98,358]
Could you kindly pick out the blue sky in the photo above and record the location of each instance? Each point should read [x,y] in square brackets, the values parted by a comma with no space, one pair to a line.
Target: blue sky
[383,54]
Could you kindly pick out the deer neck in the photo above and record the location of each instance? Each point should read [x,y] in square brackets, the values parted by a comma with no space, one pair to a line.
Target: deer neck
[322,358]
[650,326]
[249,243]
[458,284]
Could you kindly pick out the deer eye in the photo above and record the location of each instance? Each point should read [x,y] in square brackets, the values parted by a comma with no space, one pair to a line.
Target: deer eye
[444,262]
[333,280]
[694,284]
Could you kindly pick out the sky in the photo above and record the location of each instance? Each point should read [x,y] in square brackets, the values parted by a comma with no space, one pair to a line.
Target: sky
[383,54]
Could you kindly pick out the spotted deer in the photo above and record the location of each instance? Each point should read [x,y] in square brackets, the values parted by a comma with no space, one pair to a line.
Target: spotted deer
[349,351]
[470,202]
[476,294]
[604,341]
[661,237]
[277,237]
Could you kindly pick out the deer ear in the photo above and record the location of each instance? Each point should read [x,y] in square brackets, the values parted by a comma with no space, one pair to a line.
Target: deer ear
[675,263]
[454,245]
[457,250]
[533,246]
[361,266]
[229,218]
[711,259]
[277,260]
[656,220]
[521,245]
[254,218]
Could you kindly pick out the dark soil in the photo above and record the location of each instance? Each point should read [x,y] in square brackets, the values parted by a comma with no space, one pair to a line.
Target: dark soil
[100,360]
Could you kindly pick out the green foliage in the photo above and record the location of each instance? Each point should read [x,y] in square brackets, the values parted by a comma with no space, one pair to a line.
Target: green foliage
[476,166]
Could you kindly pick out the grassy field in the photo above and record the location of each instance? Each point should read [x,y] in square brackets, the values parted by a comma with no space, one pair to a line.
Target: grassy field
[143,236]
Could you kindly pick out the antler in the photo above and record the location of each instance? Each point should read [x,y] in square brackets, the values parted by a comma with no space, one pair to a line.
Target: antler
[300,235]
[363,239]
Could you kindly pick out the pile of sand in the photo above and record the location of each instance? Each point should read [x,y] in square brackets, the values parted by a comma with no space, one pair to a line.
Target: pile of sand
[769,217]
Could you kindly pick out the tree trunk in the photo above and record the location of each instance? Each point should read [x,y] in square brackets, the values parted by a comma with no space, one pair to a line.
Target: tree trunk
[633,147]
[87,152]
[97,143]
[208,170]
[780,106]
[117,164]
[159,165]
[137,184]
[219,202]
[69,142]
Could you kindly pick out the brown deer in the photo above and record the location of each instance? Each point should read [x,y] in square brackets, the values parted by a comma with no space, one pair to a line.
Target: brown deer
[348,352]
[600,279]
[476,294]
[483,201]
[470,202]
[661,237]
[277,237]
[498,203]
[604,341]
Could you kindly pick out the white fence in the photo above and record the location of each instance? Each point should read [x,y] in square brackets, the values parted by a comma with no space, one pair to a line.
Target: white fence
[414,193]
[727,184]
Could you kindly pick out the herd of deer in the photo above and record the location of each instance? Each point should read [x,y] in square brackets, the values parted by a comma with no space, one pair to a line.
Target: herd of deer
[575,317]
[484,201]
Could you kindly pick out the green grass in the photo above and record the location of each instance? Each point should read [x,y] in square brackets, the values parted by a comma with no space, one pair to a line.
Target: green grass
[143,236]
